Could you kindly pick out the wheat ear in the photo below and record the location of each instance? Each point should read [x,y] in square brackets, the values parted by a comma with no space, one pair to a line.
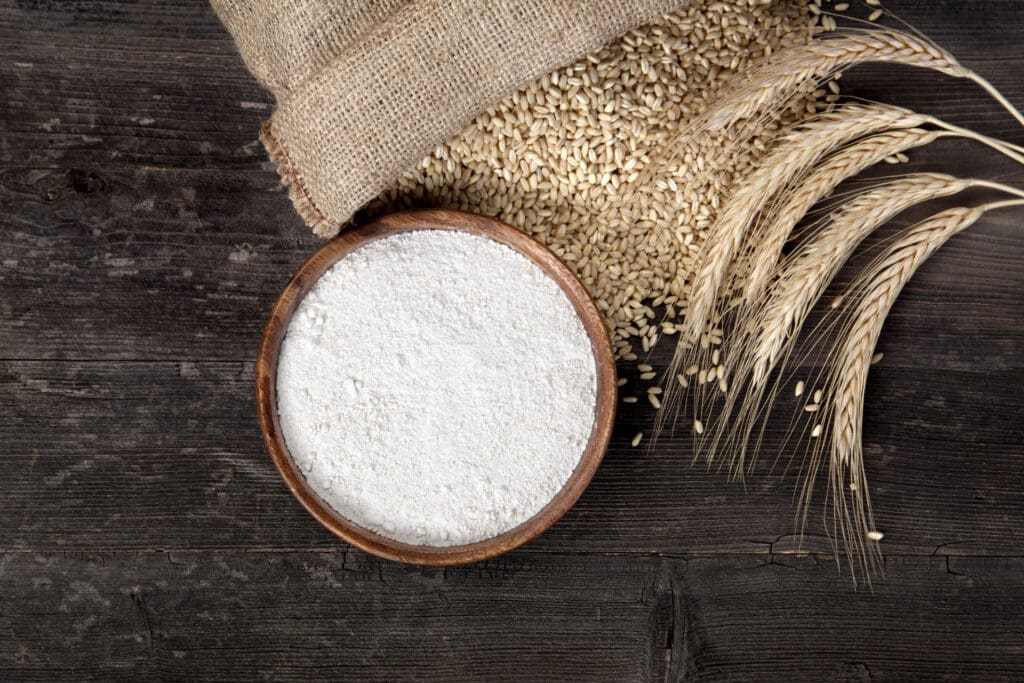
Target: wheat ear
[772,81]
[880,285]
[765,242]
[804,277]
[767,331]
[796,151]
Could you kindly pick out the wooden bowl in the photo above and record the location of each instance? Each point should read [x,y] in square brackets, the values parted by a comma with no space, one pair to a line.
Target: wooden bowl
[303,281]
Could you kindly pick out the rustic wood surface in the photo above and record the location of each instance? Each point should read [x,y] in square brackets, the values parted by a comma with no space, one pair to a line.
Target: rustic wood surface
[143,240]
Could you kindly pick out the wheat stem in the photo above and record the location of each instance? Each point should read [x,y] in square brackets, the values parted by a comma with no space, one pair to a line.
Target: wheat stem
[1010,150]
[997,96]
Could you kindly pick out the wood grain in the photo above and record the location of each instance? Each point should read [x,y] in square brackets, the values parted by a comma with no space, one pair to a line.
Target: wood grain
[328,616]
[158,455]
[331,615]
[143,240]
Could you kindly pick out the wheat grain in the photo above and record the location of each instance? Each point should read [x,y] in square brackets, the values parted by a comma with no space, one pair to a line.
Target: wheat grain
[557,158]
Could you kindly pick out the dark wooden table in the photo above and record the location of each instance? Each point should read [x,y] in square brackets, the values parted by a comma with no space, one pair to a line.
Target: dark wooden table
[146,534]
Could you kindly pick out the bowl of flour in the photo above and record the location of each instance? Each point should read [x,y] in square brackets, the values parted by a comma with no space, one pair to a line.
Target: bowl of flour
[436,387]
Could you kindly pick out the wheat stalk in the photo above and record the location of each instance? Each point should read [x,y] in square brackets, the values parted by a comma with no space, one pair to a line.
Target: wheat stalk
[772,83]
[764,243]
[879,285]
[796,151]
[767,330]
[780,75]
[805,276]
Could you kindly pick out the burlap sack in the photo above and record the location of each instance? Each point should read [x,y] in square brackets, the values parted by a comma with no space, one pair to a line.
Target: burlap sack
[366,88]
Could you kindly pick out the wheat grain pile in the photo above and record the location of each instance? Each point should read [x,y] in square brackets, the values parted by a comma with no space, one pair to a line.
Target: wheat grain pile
[555,158]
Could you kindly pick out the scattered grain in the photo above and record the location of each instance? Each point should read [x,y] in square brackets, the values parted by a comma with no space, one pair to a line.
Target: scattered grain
[629,399]
[636,439]
[655,401]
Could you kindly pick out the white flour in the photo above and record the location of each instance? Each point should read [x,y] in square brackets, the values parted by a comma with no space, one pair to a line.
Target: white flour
[436,387]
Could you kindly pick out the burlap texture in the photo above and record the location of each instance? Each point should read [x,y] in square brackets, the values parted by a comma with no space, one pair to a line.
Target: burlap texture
[366,88]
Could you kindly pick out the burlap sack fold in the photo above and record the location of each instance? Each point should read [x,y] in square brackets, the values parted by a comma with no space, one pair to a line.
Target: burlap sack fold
[366,88]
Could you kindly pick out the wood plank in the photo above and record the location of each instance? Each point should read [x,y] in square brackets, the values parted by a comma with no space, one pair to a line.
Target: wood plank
[127,84]
[142,264]
[184,265]
[742,618]
[140,455]
[342,614]
[328,616]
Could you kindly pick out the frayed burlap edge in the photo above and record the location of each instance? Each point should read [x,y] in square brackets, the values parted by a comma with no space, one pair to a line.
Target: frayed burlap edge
[291,178]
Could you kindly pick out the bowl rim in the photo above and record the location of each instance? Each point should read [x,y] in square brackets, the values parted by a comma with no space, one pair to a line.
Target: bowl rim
[434,219]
